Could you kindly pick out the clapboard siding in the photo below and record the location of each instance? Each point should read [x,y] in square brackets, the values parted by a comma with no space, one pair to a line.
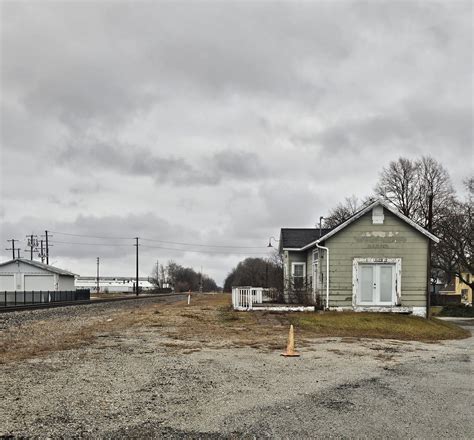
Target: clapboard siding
[393,239]
[362,239]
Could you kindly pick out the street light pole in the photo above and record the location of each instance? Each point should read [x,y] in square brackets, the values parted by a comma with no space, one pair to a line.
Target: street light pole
[270,241]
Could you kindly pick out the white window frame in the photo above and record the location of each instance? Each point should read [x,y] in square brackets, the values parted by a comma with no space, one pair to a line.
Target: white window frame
[298,263]
[396,298]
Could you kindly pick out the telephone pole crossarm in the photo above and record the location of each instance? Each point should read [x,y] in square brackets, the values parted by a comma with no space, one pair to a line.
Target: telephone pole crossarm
[13,247]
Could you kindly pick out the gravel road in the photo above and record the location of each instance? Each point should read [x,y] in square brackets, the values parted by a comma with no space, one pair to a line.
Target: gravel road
[137,385]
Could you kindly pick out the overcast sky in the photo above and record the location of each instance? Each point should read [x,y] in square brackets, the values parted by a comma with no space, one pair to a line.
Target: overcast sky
[217,124]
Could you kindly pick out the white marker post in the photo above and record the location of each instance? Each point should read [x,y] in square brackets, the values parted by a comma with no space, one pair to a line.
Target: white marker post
[189,297]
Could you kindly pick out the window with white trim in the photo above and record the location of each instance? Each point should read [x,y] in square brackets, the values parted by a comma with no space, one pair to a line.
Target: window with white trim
[298,274]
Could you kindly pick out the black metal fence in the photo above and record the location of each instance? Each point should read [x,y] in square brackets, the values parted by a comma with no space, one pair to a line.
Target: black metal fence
[18,298]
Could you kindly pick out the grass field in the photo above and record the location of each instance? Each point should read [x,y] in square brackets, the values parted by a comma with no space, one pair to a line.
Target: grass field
[210,322]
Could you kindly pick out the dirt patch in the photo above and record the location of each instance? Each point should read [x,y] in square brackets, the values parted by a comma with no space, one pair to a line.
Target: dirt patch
[210,322]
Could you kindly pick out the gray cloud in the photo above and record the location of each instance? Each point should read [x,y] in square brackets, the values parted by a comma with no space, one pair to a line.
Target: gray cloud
[220,121]
[206,170]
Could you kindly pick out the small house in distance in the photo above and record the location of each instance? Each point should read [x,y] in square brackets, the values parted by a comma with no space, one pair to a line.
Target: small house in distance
[30,275]
[377,260]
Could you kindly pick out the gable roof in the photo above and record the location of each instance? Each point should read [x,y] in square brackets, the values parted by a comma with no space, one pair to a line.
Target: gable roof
[298,237]
[364,211]
[39,265]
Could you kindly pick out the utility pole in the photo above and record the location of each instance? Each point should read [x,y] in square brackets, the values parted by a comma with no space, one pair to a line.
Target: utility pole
[47,247]
[13,247]
[98,288]
[18,253]
[200,282]
[430,229]
[158,273]
[32,244]
[137,288]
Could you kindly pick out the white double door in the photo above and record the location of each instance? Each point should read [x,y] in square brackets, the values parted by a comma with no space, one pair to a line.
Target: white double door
[377,284]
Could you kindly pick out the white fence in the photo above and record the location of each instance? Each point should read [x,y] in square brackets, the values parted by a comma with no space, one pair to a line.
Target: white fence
[244,298]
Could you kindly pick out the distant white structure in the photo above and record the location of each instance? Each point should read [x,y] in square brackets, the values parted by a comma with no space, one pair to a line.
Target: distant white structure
[113,284]
[30,275]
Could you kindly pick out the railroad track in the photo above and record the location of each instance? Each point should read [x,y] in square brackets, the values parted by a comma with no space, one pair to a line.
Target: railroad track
[19,307]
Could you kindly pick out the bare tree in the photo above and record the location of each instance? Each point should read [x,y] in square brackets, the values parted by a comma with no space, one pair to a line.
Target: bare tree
[155,277]
[345,210]
[163,274]
[433,179]
[258,272]
[408,184]
[398,185]
[454,254]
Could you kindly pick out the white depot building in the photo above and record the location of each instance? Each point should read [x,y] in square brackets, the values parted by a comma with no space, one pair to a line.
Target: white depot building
[30,275]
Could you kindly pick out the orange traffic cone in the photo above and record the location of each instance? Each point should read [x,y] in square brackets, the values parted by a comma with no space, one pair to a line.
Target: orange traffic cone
[290,348]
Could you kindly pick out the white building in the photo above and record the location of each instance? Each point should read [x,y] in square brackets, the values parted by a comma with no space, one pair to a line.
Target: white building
[30,275]
[113,284]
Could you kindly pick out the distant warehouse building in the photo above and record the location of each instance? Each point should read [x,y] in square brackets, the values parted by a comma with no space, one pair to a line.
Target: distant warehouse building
[113,284]
[29,275]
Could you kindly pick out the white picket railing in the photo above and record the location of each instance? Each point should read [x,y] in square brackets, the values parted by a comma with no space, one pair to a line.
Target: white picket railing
[243,298]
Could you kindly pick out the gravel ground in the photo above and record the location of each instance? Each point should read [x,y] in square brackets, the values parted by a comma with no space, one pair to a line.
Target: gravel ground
[139,385]
[18,318]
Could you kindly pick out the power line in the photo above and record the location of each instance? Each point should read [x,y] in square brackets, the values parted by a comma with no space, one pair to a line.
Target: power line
[90,244]
[93,236]
[160,241]
[204,245]
[203,251]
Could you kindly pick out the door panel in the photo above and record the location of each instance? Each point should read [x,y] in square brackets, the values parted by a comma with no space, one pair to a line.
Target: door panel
[386,283]
[39,282]
[7,282]
[366,283]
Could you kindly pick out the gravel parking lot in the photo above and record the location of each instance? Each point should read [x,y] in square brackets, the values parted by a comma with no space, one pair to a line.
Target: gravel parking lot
[138,383]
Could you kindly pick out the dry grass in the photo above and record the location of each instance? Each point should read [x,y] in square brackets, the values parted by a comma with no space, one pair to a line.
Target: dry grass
[378,325]
[210,321]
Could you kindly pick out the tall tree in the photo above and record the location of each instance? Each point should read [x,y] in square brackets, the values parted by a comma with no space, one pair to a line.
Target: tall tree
[186,278]
[155,276]
[433,179]
[398,185]
[258,272]
[407,185]
[344,210]
[454,254]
